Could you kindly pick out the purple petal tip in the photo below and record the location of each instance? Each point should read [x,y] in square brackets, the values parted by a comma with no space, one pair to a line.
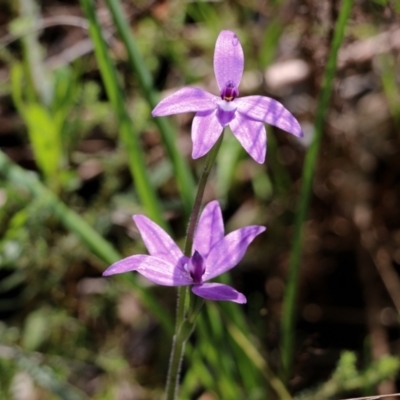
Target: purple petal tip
[219,292]
[241,299]
[109,271]
[228,59]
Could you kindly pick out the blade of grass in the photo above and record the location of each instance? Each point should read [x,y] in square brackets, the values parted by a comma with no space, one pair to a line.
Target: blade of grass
[43,131]
[252,359]
[280,15]
[270,41]
[35,81]
[230,312]
[289,308]
[215,354]
[387,65]
[129,136]
[182,171]
[245,344]
[279,173]
[75,223]
[38,74]
[197,375]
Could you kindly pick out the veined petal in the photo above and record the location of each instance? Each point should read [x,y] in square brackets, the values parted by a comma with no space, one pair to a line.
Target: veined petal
[206,130]
[268,110]
[187,99]
[154,269]
[228,60]
[229,251]
[157,241]
[210,228]
[127,264]
[163,273]
[219,292]
[251,135]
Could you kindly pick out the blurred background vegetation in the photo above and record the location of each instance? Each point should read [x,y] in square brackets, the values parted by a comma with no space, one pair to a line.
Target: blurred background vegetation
[80,154]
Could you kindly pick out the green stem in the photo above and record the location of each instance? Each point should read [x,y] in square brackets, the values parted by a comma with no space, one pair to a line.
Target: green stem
[184,326]
[289,306]
[194,216]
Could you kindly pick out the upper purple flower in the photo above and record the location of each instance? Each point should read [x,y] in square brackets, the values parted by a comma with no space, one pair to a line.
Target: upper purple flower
[245,116]
[213,254]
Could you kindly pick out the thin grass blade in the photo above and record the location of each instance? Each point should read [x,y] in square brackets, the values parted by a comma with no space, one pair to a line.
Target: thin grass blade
[182,171]
[289,309]
[129,136]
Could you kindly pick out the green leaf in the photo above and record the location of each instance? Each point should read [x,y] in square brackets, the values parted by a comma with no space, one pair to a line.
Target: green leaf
[43,130]
[45,138]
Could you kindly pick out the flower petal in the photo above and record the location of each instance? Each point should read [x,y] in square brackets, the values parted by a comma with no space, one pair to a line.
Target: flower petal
[210,229]
[154,269]
[228,60]
[229,251]
[163,273]
[187,99]
[219,292]
[251,135]
[206,130]
[127,264]
[268,110]
[157,241]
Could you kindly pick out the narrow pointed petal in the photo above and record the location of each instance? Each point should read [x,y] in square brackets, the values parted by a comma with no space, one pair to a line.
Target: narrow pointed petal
[127,264]
[187,99]
[157,241]
[228,60]
[251,135]
[219,292]
[206,130]
[268,110]
[210,228]
[228,252]
[154,269]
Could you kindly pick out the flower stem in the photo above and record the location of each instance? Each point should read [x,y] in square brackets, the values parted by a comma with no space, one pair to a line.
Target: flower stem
[184,326]
[194,216]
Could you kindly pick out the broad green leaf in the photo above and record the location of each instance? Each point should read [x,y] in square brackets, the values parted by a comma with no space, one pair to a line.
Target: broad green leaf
[45,138]
[43,129]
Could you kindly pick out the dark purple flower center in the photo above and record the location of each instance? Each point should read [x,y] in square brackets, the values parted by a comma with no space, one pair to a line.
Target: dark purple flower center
[195,267]
[229,92]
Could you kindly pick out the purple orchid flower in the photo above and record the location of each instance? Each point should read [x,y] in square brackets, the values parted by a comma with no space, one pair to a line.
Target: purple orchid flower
[245,116]
[213,254]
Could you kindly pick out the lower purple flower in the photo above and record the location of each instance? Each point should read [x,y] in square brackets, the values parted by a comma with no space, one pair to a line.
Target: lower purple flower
[213,254]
